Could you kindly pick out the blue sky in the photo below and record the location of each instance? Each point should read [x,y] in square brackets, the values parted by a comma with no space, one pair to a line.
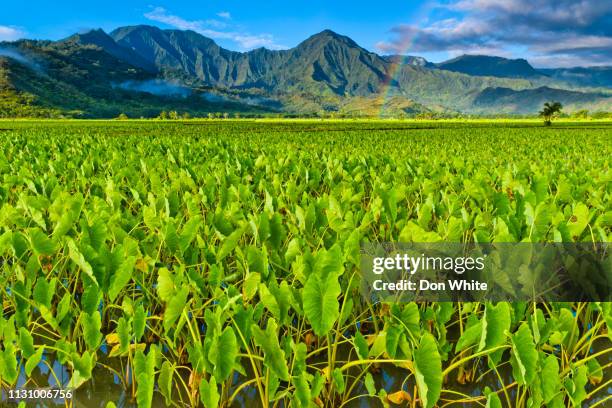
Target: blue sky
[546,32]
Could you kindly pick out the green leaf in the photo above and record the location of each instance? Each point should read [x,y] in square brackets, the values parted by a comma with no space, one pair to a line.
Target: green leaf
[63,307]
[380,344]
[302,390]
[414,233]
[77,257]
[392,340]
[230,243]
[8,364]
[389,199]
[470,336]
[121,277]
[83,366]
[575,385]
[144,368]
[171,238]
[338,380]
[189,232]
[164,381]
[123,332]
[578,221]
[91,324]
[251,283]
[41,244]
[209,395]
[320,294]
[95,233]
[428,370]
[68,216]
[175,307]
[139,322]
[90,299]
[282,294]
[361,346]
[493,400]
[269,301]
[26,343]
[274,356]
[410,318]
[165,284]
[524,358]
[223,353]
[494,324]
[595,371]
[370,384]
[549,378]
[300,352]
[258,260]
[33,361]
[44,291]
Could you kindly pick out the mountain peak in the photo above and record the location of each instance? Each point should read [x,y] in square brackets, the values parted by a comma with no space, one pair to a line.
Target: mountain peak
[137,27]
[95,36]
[329,32]
[99,38]
[327,36]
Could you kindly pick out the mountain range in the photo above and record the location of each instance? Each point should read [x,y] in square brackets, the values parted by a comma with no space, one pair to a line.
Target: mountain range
[141,70]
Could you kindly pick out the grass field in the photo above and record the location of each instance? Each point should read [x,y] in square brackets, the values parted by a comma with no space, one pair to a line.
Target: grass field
[215,263]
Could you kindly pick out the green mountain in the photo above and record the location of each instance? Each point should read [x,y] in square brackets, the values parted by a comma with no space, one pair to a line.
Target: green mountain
[582,76]
[484,65]
[98,38]
[324,62]
[141,70]
[71,78]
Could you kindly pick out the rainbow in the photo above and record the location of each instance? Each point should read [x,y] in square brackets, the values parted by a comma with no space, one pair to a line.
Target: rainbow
[405,45]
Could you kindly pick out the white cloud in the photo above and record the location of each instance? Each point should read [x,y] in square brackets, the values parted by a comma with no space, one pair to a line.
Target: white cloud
[224,14]
[160,15]
[212,29]
[9,33]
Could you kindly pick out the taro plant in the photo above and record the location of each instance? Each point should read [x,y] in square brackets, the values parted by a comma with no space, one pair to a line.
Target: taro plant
[219,265]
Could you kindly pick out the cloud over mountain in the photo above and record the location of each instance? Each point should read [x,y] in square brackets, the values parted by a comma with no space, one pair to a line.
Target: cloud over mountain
[8,33]
[566,32]
[214,29]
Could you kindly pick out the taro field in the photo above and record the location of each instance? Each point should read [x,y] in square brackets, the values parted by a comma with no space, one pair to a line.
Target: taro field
[216,263]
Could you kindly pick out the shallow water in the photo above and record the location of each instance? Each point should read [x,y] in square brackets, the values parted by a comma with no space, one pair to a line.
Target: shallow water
[106,386]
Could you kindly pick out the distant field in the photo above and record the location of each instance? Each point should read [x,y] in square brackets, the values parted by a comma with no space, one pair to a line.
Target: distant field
[191,262]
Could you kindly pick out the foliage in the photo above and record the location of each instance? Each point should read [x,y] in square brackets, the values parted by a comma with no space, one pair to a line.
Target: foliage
[220,259]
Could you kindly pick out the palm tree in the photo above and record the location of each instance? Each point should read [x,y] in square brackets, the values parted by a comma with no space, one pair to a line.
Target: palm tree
[550,111]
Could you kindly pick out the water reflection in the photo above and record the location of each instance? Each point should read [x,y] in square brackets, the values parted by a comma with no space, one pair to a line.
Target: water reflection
[106,386]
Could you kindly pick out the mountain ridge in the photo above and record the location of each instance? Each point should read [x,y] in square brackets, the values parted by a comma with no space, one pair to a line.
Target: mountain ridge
[485,65]
[327,72]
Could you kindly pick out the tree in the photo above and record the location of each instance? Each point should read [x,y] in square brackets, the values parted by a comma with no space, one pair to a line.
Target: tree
[163,115]
[122,116]
[581,114]
[550,111]
[173,115]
